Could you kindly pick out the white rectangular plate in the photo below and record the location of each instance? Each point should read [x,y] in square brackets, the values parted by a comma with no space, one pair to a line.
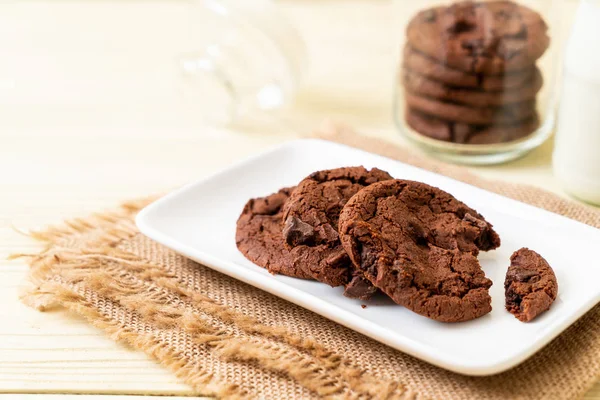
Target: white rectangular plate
[198,221]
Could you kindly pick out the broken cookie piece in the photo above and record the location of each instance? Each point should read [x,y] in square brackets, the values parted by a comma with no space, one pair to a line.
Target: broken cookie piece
[530,287]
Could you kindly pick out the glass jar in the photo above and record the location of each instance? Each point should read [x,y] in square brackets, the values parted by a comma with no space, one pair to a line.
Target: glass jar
[245,59]
[476,79]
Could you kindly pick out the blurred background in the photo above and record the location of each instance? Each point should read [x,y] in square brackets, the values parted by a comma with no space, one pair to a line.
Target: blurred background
[106,100]
[94,79]
[117,92]
[113,65]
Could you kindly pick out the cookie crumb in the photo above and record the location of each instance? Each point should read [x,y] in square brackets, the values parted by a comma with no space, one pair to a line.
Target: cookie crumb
[363,305]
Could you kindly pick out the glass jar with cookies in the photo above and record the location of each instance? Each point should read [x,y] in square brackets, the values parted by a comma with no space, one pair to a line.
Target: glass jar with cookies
[475,81]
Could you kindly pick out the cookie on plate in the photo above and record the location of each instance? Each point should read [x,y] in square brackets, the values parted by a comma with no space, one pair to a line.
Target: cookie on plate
[530,287]
[418,244]
[423,86]
[432,69]
[258,235]
[310,225]
[490,37]
[459,132]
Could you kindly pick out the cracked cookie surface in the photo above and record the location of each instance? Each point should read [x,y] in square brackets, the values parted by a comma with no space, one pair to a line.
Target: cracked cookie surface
[310,226]
[507,114]
[417,83]
[530,287]
[418,244]
[432,69]
[459,132]
[258,235]
[489,37]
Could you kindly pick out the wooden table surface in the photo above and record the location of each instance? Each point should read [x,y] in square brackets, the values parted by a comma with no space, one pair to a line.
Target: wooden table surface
[68,150]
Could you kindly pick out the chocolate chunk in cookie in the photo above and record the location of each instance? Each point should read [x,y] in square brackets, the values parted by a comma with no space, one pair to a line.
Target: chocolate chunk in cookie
[434,70]
[490,37]
[530,287]
[418,244]
[459,132]
[423,86]
[310,225]
[258,235]
[297,232]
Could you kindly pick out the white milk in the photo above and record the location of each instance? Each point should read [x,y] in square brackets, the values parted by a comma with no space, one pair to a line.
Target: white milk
[577,149]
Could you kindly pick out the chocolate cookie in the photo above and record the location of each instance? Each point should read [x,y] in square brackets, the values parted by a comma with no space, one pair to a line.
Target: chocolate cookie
[422,86]
[426,66]
[459,132]
[489,37]
[508,114]
[258,235]
[418,244]
[311,225]
[530,286]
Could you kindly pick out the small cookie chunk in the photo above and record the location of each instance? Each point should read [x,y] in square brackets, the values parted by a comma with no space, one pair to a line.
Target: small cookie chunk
[530,287]
[311,220]
[418,244]
[424,65]
[508,114]
[459,132]
[489,37]
[422,86]
[258,235]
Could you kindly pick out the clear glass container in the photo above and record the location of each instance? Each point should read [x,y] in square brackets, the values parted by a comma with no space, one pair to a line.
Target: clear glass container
[245,59]
[476,79]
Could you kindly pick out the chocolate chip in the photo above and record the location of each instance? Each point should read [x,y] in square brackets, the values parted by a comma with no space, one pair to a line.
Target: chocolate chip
[521,274]
[337,259]
[513,297]
[359,288]
[368,258]
[460,18]
[460,26]
[329,234]
[297,232]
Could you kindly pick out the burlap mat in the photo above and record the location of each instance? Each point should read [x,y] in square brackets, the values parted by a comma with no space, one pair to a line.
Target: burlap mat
[227,339]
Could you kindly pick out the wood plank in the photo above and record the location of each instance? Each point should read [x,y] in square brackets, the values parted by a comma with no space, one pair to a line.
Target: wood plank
[88,397]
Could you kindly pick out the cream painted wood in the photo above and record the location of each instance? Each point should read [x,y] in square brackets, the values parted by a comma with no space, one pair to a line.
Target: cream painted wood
[63,154]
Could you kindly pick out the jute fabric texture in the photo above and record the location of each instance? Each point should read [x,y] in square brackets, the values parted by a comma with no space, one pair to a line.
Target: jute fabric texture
[229,340]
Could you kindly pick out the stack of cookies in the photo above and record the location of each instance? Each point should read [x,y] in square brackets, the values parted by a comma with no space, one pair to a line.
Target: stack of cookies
[365,231]
[469,71]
